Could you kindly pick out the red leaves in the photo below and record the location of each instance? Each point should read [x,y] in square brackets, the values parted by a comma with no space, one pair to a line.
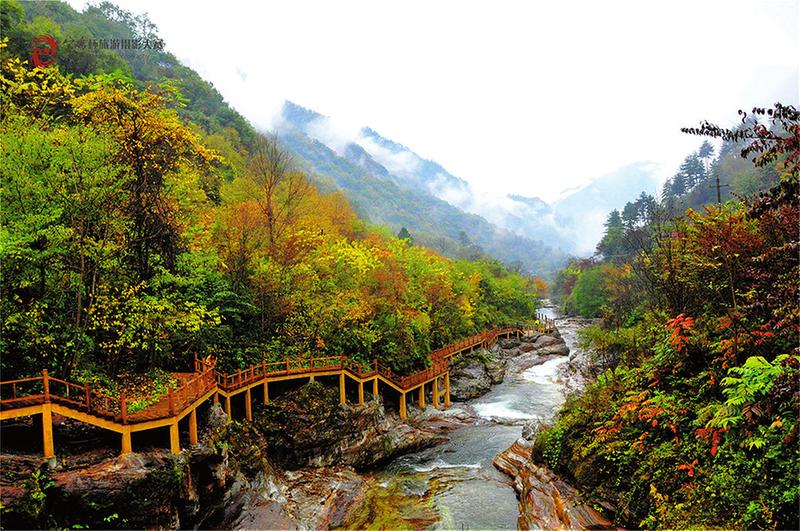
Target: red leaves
[716,438]
[689,468]
[715,435]
[680,328]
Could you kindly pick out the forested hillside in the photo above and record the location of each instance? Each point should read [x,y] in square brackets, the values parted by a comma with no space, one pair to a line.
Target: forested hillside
[435,223]
[144,221]
[404,199]
[693,415]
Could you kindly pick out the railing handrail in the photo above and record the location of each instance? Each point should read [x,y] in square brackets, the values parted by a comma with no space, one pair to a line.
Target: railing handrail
[208,377]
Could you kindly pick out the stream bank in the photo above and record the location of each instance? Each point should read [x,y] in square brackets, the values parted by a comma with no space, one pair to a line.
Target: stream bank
[457,484]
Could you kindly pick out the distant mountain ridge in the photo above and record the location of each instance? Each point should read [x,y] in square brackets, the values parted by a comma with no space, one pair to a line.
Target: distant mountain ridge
[393,199]
[572,224]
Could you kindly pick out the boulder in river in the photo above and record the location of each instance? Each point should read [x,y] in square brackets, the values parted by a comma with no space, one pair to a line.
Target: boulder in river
[470,378]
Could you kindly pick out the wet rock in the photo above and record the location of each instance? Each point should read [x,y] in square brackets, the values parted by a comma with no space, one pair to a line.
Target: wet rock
[558,349]
[545,500]
[531,338]
[321,498]
[547,345]
[311,428]
[511,342]
[455,415]
[531,428]
[543,341]
[469,381]
[496,370]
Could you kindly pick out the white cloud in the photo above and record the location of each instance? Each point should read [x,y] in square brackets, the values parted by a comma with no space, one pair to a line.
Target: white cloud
[397,162]
[523,97]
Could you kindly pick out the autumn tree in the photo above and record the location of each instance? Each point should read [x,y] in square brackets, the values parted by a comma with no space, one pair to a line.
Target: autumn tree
[278,187]
[160,152]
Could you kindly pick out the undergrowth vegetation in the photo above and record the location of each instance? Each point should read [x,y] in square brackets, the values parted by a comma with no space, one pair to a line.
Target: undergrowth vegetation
[692,419]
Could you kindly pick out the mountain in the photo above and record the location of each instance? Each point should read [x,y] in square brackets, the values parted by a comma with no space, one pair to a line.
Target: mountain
[389,185]
[582,212]
[572,224]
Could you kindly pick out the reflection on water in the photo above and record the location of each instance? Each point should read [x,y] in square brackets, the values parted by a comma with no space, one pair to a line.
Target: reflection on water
[454,485]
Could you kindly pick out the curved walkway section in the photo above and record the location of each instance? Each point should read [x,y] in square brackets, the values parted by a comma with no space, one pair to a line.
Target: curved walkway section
[45,395]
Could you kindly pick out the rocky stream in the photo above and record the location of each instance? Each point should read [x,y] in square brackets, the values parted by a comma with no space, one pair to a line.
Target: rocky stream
[467,467]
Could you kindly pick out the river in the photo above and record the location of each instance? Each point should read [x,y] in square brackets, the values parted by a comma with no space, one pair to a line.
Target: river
[454,485]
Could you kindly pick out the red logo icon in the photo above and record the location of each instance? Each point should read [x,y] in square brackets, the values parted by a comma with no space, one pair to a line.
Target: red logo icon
[45,51]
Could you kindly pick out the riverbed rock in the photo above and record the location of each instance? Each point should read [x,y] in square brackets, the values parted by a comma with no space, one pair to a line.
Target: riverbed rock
[322,498]
[309,428]
[531,428]
[469,381]
[496,370]
[545,500]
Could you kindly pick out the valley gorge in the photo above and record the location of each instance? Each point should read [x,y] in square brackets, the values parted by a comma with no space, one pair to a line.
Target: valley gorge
[468,466]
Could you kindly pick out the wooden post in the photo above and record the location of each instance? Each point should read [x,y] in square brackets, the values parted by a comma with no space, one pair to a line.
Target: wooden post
[311,379]
[216,398]
[174,439]
[123,408]
[403,413]
[436,392]
[47,431]
[266,392]
[127,446]
[375,388]
[46,385]
[360,393]
[447,389]
[342,396]
[422,396]
[193,427]
[248,405]
[228,407]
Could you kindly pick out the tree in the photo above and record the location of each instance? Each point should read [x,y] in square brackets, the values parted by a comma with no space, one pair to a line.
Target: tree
[630,214]
[160,151]
[692,172]
[405,235]
[612,244]
[613,221]
[279,188]
[766,145]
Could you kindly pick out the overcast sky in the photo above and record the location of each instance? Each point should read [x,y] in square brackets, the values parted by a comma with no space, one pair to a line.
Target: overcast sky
[524,97]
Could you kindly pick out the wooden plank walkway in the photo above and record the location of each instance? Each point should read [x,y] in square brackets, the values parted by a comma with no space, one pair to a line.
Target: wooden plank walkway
[46,395]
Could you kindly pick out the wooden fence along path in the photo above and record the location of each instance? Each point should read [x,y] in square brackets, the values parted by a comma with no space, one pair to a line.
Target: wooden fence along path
[44,395]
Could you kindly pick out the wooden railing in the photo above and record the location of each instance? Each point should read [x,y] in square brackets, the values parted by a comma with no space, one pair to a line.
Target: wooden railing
[122,409]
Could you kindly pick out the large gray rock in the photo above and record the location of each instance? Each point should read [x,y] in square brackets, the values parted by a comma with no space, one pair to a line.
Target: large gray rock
[496,370]
[544,341]
[470,381]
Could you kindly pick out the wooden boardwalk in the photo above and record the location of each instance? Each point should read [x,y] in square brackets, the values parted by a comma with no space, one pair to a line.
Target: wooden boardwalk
[44,395]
